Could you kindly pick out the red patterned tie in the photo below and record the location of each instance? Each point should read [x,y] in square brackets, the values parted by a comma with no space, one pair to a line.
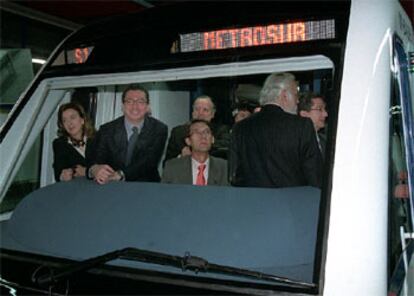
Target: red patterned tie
[200,176]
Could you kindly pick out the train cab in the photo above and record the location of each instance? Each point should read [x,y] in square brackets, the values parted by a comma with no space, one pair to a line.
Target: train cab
[353,235]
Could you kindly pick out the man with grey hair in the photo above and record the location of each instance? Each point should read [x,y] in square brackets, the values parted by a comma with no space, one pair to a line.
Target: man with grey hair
[204,109]
[275,147]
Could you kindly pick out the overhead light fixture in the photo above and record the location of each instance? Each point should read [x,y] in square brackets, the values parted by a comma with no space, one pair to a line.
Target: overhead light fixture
[38,61]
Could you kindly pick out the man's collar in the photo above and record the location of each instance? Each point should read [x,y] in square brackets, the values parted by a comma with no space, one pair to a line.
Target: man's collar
[129,125]
[273,105]
[198,163]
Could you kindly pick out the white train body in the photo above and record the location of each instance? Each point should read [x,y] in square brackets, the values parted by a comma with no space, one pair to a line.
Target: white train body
[353,248]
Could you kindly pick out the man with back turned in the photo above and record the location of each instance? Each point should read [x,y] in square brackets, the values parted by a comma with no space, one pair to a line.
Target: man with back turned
[275,147]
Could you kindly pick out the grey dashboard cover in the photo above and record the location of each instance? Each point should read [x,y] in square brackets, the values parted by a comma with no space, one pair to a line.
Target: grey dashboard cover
[267,230]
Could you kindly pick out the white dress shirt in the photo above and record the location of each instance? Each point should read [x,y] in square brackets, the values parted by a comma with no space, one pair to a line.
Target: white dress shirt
[194,166]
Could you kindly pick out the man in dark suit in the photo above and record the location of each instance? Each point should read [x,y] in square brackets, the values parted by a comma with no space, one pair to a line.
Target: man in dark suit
[313,106]
[275,147]
[203,108]
[198,168]
[130,147]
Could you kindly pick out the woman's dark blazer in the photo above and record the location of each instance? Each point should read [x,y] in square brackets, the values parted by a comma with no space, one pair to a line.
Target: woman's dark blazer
[66,156]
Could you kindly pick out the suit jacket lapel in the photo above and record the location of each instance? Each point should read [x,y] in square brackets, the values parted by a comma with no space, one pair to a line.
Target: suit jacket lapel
[121,140]
[143,137]
[212,177]
[188,170]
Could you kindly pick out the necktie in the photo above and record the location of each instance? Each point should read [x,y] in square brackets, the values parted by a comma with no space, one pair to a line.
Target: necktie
[200,176]
[319,142]
[131,144]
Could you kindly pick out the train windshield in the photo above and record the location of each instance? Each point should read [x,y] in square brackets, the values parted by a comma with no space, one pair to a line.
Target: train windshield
[172,93]
[262,231]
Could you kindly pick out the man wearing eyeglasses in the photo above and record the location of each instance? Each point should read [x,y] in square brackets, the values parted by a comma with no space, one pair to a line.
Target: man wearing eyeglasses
[275,147]
[198,168]
[130,147]
[203,108]
[313,106]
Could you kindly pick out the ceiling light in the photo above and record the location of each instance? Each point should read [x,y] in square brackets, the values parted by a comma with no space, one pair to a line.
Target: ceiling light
[38,61]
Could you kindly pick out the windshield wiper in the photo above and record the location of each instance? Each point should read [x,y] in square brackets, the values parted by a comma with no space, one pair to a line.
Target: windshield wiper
[187,262]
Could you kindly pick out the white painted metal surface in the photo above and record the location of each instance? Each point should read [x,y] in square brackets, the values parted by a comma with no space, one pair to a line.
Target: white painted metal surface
[356,261]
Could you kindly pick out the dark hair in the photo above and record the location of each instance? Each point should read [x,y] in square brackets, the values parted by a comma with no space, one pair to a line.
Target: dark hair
[135,87]
[305,100]
[88,129]
[194,121]
[245,105]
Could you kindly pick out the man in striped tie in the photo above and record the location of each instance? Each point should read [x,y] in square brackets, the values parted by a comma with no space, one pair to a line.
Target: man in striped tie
[199,168]
[130,147]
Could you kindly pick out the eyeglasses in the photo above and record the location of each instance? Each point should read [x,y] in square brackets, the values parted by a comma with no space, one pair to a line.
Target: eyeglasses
[131,102]
[204,133]
[320,109]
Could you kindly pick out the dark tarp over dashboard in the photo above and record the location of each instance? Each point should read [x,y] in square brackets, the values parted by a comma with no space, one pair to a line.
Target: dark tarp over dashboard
[267,230]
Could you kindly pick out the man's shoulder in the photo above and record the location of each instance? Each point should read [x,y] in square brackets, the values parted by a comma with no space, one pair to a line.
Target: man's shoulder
[293,122]
[111,124]
[177,161]
[180,129]
[155,122]
[277,114]
[247,122]
[218,161]
[299,120]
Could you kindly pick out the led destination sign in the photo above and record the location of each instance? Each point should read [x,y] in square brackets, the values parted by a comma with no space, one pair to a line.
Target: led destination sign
[258,35]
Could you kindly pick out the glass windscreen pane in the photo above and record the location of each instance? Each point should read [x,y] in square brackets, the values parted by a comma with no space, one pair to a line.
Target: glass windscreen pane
[171,102]
[26,180]
[405,101]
